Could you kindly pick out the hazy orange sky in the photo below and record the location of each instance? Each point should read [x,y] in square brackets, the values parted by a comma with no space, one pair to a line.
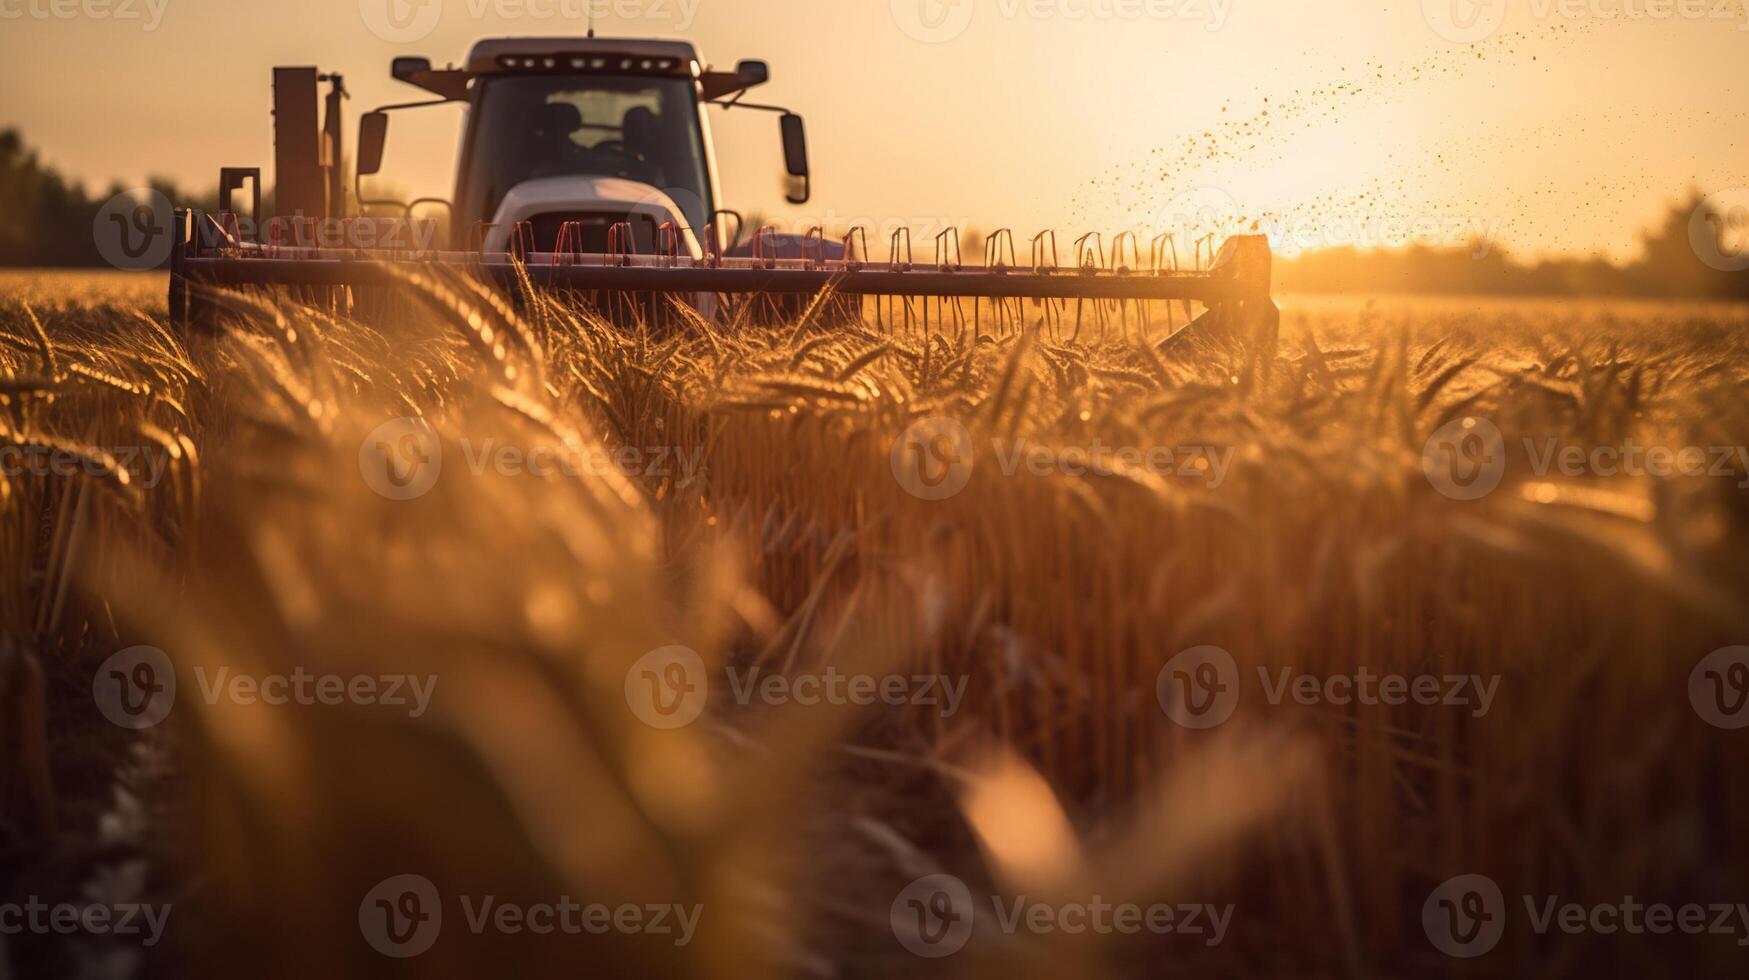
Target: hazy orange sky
[1567,126]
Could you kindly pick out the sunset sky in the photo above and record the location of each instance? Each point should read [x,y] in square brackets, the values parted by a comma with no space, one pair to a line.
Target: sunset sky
[1565,129]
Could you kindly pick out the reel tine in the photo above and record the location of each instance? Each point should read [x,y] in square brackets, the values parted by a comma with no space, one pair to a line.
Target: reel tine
[851,261]
[1038,252]
[621,244]
[1090,258]
[1157,252]
[1121,268]
[668,244]
[948,241]
[947,259]
[993,250]
[1053,311]
[815,237]
[1117,262]
[570,243]
[761,237]
[894,262]
[713,246]
[522,242]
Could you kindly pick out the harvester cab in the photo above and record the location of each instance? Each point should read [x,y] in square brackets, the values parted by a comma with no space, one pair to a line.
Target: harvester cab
[565,140]
[587,169]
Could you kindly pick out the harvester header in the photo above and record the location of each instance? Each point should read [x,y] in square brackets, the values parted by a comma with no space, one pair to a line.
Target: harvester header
[587,168]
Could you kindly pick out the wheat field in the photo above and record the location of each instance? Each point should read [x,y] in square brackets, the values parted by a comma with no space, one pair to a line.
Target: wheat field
[210,497]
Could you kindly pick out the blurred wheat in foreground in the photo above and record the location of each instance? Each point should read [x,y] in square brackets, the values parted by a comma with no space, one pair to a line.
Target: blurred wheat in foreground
[208,501]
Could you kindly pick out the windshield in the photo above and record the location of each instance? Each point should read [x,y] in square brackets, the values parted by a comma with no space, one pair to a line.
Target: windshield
[534,126]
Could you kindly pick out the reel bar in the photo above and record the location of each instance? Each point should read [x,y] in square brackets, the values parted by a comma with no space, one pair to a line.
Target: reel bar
[211,251]
[918,281]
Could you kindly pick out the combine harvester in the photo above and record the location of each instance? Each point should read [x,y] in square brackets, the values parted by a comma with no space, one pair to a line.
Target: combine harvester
[587,166]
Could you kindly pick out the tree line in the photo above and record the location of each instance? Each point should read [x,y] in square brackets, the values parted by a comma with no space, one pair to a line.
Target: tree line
[47,219]
[1670,264]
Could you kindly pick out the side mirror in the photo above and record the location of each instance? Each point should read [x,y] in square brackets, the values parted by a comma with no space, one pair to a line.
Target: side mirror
[373,132]
[402,69]
[751,73]
[795,155]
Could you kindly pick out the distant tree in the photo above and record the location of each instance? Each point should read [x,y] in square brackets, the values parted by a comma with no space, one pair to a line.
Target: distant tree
[1669,265]
[38,209]
[48,220]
